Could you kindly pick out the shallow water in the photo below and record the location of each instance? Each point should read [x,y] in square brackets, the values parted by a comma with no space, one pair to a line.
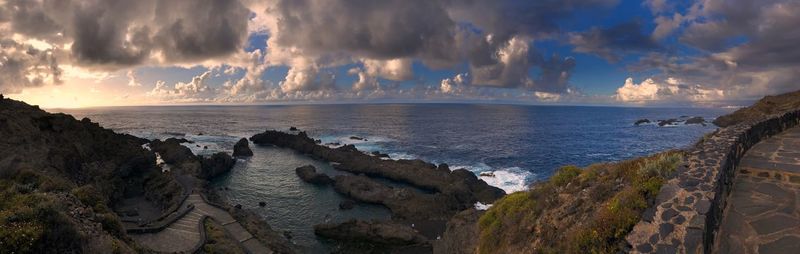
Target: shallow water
[520,144]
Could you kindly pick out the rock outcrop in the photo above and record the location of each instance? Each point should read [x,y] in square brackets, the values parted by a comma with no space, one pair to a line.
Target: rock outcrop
[672,121]
[72,172]
[696,120]
[461,235]
[377,232]
[309,174]
[641,121]
[215,165]
[242,148]
[466,187]
[405,203]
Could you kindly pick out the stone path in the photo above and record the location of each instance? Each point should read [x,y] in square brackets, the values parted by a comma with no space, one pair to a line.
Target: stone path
[183,235]
[763,213]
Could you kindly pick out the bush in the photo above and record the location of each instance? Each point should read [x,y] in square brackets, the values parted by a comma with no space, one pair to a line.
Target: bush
[564,175]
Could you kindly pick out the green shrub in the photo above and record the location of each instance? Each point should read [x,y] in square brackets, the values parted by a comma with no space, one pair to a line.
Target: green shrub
[565,175]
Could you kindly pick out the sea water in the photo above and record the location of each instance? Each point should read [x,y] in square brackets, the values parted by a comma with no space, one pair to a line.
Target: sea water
[517,144]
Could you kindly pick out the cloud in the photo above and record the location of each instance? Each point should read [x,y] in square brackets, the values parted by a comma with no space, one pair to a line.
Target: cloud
[609,43]
[197,90]
[670,90]
[23,66]
[132,81]
[116,34]
[746,50]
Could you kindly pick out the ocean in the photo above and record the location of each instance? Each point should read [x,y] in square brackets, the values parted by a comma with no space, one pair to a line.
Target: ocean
[519,144]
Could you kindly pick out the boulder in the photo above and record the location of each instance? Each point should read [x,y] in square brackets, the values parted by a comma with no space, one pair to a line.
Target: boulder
[377,232]
[309,174]
[641,121]
[242,148]
[215,165]
[262,204]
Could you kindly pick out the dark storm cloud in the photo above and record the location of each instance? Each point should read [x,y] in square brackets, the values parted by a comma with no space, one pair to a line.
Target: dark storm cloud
[611,42]
[119,33]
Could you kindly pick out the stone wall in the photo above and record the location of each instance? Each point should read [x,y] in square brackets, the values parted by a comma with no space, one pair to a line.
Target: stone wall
[689,207]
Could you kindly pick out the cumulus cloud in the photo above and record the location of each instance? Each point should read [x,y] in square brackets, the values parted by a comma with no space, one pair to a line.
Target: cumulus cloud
[197,90]
[132,80]
[668,90]
[746,49]
[23,66]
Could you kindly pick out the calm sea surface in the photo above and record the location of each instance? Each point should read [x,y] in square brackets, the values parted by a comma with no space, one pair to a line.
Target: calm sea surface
[521,144]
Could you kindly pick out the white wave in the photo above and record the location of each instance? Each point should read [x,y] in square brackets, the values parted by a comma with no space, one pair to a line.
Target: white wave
[511,179]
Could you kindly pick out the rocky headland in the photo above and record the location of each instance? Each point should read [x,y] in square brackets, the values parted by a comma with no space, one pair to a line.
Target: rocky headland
[71,186]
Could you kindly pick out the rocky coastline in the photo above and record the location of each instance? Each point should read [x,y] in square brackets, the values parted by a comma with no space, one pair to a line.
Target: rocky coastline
[422,204]
[72,186]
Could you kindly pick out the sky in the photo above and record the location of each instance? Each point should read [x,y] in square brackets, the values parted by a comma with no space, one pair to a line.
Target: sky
[83,53]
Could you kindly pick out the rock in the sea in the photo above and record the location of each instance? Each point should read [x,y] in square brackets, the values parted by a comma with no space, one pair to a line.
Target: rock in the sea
[641,121]
[379,232]
[262,204]
[672,121]
[347,204]
[309,174]
[357,138]
[238,206]
[696,120]
[242,148]
[293,128]
[215,165]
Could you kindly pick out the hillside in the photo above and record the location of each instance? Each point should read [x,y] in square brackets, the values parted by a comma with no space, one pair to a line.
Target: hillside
[587,210]
[766,106]
[61,177]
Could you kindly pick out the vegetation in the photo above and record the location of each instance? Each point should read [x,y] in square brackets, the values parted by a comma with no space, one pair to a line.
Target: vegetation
[34,214]
[586,210]
[767,106]
[217,240]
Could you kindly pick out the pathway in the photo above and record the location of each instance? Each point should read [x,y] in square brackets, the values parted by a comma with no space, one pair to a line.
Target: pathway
[763,213]
[183,235]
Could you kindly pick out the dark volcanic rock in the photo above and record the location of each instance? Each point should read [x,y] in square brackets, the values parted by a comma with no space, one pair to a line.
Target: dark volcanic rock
[696,120]
[357,138]
[215,165]
[466,187]
[672,121]
[242,148]
[293,128]
[404,203]
[385,233]
[641,121]
[309,174]
[172,151]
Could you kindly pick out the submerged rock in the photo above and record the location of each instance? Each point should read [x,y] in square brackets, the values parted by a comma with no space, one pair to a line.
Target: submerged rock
[357,138]
[242,148]
[309,174]
[347,204]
